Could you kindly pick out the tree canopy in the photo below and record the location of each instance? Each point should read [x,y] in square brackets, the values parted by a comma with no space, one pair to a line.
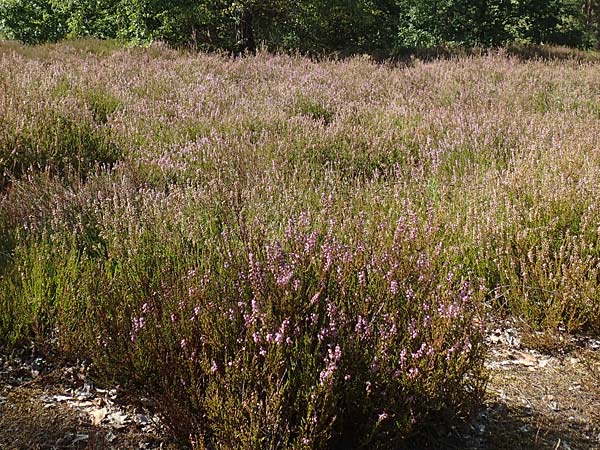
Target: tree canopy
[384,26]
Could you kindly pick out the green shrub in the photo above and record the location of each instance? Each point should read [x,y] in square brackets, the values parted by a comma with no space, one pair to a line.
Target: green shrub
[101,104]
[313,109]
[57,143]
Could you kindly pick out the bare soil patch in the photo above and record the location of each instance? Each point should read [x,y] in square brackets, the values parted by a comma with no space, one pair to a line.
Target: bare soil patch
[538,400]
[46,405]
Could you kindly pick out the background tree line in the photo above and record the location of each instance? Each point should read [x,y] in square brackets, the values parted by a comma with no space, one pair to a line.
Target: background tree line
[382,26]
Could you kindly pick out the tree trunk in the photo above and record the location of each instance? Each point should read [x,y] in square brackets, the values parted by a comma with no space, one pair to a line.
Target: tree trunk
[245,33]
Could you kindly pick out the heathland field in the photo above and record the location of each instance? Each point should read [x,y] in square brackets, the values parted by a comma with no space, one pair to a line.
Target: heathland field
[288,253]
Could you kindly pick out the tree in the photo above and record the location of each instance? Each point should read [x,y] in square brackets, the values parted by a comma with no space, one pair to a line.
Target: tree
[316,26]
[32,21]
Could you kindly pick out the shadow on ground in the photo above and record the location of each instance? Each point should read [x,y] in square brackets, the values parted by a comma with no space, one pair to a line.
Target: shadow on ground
[499,427]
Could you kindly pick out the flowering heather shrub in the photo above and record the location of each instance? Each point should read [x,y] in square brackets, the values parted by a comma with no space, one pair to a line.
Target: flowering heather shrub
[55,141]
[145,223]
[300,341]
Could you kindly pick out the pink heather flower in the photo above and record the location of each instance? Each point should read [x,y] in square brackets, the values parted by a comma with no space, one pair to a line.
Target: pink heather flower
[231,314]
[284,326]
[362,278]
[315,298]
[145,308]
[383,416]
[419,353]
[284,279]
[394,287]
[310,243]
[403,353]
[173,317]
[413,373]
[368,387]
[328,252]
[412,329]
[323,333]
[392,331]
[374,365]
[362,328]
[137,325]
[467,345]
[332,359]
[214,368]
[183,344]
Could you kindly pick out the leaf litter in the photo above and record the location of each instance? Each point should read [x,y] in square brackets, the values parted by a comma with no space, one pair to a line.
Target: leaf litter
[57,406]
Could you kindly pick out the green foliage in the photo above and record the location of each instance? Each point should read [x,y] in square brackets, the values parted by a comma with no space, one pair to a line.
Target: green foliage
[59,143]
[32,22]
[101,104]
[383,27]
[41,283]
[313,109]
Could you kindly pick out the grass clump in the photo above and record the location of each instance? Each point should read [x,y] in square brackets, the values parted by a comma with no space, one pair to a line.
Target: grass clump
[313,109]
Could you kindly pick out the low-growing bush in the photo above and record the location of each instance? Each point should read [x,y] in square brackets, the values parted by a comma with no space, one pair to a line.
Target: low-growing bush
[101,104]
[55,142]
[313,109]
[312,339]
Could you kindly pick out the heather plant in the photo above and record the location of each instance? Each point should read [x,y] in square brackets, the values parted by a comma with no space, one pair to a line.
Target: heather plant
[276,249]
[101,104]
[52,140]
[313,109]
[300,341]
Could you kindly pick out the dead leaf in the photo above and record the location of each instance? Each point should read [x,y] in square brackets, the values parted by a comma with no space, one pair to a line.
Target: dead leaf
[98,416]
[543,362]
[526,359]
[118,420]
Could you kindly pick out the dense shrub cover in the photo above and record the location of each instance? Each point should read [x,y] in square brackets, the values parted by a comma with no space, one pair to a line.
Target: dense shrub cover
[385,27]
[285,253]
